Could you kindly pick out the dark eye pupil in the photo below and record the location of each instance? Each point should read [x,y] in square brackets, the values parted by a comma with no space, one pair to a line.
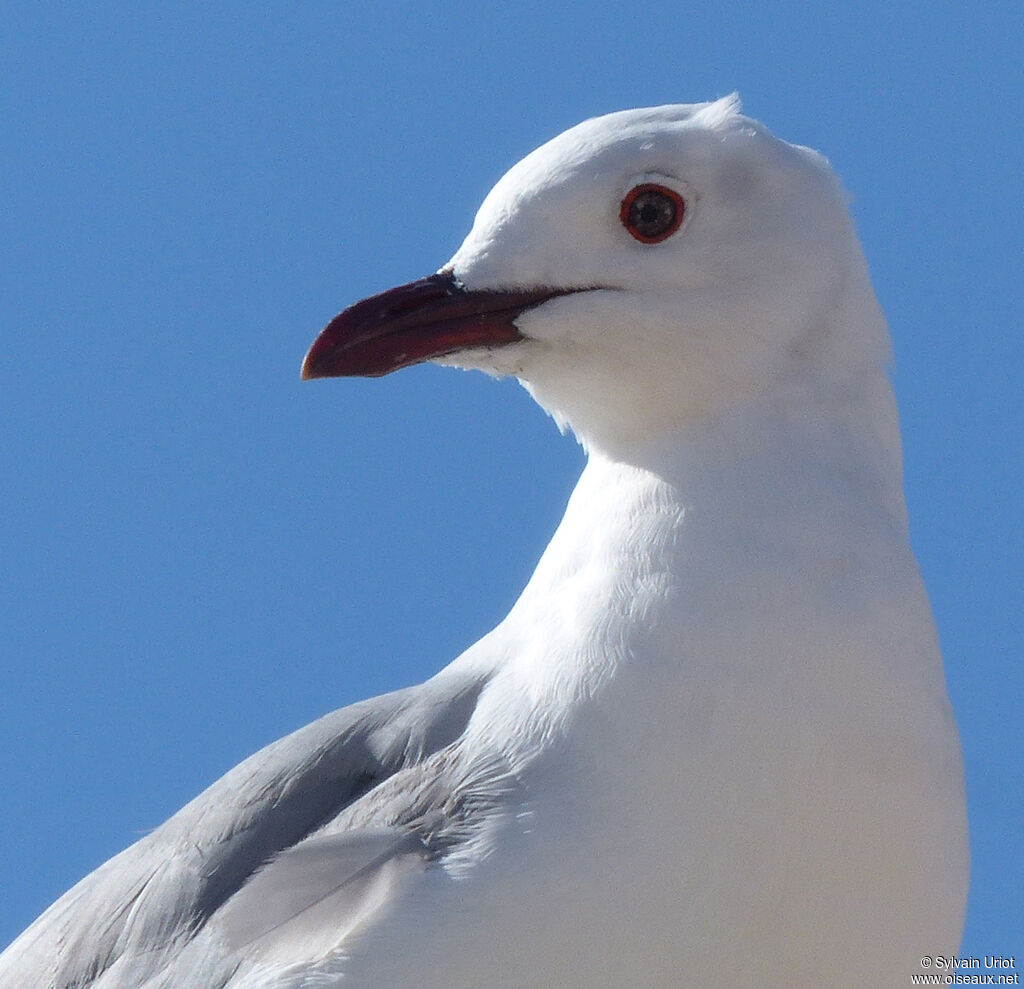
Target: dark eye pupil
[652,213]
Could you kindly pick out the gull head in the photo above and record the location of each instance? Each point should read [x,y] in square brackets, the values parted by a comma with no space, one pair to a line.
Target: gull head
[641,272]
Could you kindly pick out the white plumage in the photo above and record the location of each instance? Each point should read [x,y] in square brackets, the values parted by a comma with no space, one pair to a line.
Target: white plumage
[711,744]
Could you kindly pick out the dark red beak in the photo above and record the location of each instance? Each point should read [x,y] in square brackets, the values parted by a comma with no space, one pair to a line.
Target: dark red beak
[412,323]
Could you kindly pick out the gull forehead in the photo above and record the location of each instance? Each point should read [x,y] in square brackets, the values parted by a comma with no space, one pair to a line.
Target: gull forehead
[545,218]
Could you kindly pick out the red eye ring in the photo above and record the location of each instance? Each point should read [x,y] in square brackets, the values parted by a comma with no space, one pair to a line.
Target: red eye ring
[652,213]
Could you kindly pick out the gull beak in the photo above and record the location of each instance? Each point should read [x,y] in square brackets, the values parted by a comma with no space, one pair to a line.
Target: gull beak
[432,317]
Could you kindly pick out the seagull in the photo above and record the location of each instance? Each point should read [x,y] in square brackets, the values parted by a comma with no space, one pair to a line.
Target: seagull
[711,743]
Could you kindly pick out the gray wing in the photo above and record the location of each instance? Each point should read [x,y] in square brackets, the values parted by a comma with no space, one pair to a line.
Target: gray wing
[283,835]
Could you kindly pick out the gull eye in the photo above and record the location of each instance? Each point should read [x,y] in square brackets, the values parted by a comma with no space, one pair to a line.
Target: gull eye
[652,213]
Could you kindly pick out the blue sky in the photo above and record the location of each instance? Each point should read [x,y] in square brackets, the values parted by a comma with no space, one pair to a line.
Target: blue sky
[201,553]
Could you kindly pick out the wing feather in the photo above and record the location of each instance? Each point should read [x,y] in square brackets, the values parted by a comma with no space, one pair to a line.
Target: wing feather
[242,837]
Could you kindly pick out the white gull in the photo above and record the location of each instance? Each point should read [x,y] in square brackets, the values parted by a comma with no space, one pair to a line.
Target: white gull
[710,745]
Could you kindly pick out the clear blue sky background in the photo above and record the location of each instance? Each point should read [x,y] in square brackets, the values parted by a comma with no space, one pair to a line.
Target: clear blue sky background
[200,553]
